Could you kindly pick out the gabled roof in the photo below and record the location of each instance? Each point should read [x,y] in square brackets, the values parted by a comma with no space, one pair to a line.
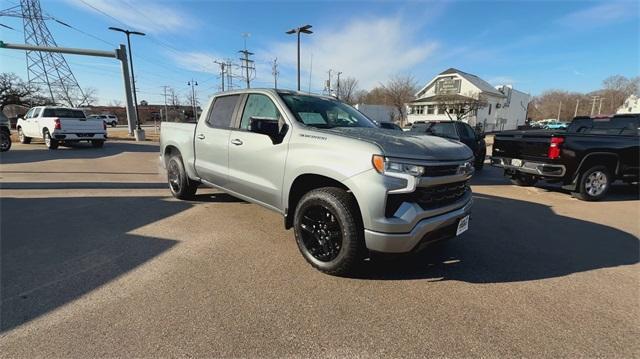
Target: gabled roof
[481,84]
[439,98]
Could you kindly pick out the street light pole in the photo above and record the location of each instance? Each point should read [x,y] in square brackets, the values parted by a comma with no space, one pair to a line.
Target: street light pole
[305,30]
[133,78]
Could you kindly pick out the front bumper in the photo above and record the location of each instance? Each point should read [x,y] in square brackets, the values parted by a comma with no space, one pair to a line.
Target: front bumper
[426,231]
[529,167]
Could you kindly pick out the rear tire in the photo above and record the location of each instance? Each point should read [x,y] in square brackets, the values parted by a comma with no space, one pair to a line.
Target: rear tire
[114,124]
[5,141]
[593,184]
[23,139]
[97,143]
[51,143]
[180,185]
[329,232]
[523,180]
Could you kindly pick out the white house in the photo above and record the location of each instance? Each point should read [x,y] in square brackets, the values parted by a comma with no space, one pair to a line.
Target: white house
[506,107]
[630,105]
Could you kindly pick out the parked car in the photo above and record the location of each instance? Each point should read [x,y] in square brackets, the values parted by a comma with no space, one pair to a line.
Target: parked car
[110,120]
[56,125]
[344,186]
[456,130]
[5,133]
[389,126]
[556,125]
[586,158]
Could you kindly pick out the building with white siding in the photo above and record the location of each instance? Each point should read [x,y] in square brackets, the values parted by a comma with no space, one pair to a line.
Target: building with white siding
[506,108]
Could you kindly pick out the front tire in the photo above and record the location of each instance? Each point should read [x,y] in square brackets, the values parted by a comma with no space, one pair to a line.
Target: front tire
[5,141]
[329,231]
[23,139]
[593,184]
[180,185]
[51,143]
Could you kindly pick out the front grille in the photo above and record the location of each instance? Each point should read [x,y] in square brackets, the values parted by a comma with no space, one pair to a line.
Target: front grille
[428,197]
[439,171]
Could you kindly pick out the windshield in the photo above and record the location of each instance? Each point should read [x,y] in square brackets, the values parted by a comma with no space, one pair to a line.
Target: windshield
[441,129]
[324,113]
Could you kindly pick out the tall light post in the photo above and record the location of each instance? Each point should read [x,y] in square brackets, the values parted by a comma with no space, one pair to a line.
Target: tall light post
[133,78]
[305,30]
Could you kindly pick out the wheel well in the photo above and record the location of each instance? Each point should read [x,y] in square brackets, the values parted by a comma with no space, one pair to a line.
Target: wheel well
[608,160]
[170,151]
[305,183]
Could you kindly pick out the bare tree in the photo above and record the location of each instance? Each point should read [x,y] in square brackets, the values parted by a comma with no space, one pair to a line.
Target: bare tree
[14,91]
[398,91]
[87,97]
[375,96]
[347,90]
[460,106]
[173,99]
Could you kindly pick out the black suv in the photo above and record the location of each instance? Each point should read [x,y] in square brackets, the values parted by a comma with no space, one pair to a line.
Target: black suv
[458,131]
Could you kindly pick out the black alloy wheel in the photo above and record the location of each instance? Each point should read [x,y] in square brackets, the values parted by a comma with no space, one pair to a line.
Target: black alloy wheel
[321,233]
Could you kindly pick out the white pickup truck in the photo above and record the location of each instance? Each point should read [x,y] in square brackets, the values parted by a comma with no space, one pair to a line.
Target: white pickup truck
[57,125]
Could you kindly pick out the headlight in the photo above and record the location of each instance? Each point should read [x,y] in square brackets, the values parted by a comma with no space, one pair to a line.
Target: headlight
[386,166]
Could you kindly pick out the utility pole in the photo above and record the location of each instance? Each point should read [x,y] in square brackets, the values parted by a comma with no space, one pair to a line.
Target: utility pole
[166,113]
[275,72]
[222,73]
[338,85]
[193,85]
[575,113]
[559,109]
[593,104]
[247,65]
[229,74]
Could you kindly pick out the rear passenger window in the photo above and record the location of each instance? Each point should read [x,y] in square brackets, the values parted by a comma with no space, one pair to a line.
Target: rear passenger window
[222,112]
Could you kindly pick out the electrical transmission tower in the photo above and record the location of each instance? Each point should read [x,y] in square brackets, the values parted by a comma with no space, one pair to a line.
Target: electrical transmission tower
[48,71]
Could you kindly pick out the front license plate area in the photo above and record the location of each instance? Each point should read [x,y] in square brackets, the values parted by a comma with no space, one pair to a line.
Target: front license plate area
[463,225]
[516,162]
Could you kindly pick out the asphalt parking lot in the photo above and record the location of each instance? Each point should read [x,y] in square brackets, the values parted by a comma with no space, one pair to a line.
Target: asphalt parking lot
[98,260]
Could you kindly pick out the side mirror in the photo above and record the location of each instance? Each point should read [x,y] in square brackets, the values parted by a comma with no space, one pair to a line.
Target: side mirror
[268,126]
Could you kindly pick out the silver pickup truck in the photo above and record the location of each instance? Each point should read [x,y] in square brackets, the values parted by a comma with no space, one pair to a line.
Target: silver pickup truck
[346,186]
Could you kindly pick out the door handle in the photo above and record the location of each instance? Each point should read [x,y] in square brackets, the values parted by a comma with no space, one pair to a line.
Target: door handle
[200,136]
[236,142]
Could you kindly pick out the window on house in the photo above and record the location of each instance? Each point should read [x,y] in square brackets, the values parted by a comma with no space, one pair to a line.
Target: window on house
[430,109]
[441,110]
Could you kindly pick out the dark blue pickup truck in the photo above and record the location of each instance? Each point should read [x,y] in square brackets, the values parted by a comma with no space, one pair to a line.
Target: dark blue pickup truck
[586,158]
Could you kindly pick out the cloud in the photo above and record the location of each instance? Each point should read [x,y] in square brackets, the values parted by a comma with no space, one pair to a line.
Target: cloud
[197,61]
[370,50]
[601,14]
[143,15]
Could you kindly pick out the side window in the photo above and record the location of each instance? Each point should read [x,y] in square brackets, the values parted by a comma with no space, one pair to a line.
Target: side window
[258,106]
[36,113]
[222,112]
[29,113]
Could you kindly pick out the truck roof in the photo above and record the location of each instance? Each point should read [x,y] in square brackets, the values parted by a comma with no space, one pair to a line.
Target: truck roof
[273,91]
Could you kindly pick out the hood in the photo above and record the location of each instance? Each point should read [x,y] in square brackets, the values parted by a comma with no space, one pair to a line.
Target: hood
[408,145]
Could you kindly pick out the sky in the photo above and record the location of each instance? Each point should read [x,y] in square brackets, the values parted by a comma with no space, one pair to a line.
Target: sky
[532,45]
